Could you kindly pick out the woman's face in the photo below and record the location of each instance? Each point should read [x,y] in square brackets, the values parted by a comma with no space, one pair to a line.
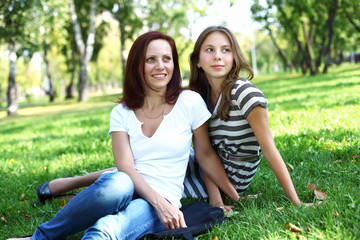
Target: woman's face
[216,57]
[159,64]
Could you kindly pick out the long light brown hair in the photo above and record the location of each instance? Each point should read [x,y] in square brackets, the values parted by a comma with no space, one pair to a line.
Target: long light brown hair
[198,79]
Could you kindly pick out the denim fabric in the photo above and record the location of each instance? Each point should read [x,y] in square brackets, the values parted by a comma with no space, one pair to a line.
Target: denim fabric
[137,220]
[110,194]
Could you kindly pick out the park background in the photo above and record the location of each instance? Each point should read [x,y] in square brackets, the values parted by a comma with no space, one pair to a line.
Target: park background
[61,69]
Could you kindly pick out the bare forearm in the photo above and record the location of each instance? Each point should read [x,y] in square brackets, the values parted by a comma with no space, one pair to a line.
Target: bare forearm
[213,192]
[282,174]
[219,177]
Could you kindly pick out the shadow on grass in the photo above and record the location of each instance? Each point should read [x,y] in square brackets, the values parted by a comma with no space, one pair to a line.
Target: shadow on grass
[306,84]
[61,108]
[74,111]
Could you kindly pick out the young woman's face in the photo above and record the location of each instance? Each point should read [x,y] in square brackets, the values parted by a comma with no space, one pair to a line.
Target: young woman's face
[216,57]
[159,64]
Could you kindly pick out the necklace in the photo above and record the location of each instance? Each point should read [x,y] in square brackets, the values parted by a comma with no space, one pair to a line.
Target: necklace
[161,114]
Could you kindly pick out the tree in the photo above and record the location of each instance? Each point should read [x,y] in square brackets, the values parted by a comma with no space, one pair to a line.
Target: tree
[16,30]
[129,24]
[85,49]
[308,25]
[351,9]
[261,14]
[330,26]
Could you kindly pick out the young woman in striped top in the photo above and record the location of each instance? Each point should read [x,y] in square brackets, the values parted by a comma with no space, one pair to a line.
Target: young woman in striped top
[239,127]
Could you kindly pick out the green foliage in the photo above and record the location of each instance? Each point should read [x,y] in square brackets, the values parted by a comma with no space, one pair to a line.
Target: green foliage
[314,122]
[311,34]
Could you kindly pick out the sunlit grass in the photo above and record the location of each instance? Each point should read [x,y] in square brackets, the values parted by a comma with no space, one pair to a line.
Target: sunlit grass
[314,120]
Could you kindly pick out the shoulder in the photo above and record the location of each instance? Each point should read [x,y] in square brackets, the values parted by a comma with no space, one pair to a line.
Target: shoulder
[242,84]
[190,96]
[191,102]
[244,87]
[189,93]
[120,109]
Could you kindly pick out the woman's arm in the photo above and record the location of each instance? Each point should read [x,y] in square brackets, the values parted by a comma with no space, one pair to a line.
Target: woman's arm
[259,122]
[214,194]
[211,166]
[169,215]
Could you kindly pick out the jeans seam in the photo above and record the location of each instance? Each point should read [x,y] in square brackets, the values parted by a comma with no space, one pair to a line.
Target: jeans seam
[138,229]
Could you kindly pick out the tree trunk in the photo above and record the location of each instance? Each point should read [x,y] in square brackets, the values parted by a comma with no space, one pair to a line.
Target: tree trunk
[82,83]
[85,51]
[289,26]
[12,106]
[330,24]
[302,56]
[281,52]
[321,52]
[308,50]
[70,87]
[48,75]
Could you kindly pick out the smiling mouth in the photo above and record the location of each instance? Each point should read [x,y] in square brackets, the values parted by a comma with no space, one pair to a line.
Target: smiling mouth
[159,75]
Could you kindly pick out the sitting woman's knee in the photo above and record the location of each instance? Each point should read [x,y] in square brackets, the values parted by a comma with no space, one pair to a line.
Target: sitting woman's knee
[114,184]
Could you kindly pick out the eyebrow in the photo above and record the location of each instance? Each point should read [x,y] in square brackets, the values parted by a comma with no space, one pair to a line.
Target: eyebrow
[154,55]
[211,45]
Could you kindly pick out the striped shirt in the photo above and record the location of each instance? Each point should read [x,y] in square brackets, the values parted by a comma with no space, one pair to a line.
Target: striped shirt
[235,137]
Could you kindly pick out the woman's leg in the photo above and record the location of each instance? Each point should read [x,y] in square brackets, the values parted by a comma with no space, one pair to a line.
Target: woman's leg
[63,185]
[136,220]
[111,193]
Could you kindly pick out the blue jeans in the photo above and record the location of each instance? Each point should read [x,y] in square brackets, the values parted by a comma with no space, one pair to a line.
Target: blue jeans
[107,208]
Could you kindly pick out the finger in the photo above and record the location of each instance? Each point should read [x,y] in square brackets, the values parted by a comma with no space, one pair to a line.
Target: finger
[169,226]
[176,223]
[172,225]
[166,226]
[182,221]
[229,208]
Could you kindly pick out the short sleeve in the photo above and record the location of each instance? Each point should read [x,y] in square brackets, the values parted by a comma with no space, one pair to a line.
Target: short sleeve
[197,111]
[118,119]
[246,96]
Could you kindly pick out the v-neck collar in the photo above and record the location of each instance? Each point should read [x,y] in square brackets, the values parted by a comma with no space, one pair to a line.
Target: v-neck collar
[165,116]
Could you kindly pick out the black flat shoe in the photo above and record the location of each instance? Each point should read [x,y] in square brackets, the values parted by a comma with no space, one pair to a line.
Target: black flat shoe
[43,193]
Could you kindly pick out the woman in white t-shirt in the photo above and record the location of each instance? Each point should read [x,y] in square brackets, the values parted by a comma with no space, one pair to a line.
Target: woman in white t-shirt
[152,129]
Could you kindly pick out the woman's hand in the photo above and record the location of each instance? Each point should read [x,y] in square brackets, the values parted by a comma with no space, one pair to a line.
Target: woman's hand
[228,208]
[225,208]
[170,216]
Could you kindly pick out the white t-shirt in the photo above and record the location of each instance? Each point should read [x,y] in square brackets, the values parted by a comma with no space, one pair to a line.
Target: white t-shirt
[162,159]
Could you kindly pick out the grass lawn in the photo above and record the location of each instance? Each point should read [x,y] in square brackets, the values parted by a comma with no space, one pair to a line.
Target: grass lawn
[315,121]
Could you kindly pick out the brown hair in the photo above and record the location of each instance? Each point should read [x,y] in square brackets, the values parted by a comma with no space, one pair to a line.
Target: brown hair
[133,89]
[198,79]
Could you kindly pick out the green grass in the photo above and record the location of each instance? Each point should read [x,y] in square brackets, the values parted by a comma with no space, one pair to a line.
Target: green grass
[315,121]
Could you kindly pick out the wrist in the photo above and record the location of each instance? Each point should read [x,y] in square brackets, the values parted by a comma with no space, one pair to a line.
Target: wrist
[217,204]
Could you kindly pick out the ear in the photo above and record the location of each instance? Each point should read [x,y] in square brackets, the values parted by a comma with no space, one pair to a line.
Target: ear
[198,65]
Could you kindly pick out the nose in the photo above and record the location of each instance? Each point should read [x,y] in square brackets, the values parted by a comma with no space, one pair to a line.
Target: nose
[218,55]
[160,64]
